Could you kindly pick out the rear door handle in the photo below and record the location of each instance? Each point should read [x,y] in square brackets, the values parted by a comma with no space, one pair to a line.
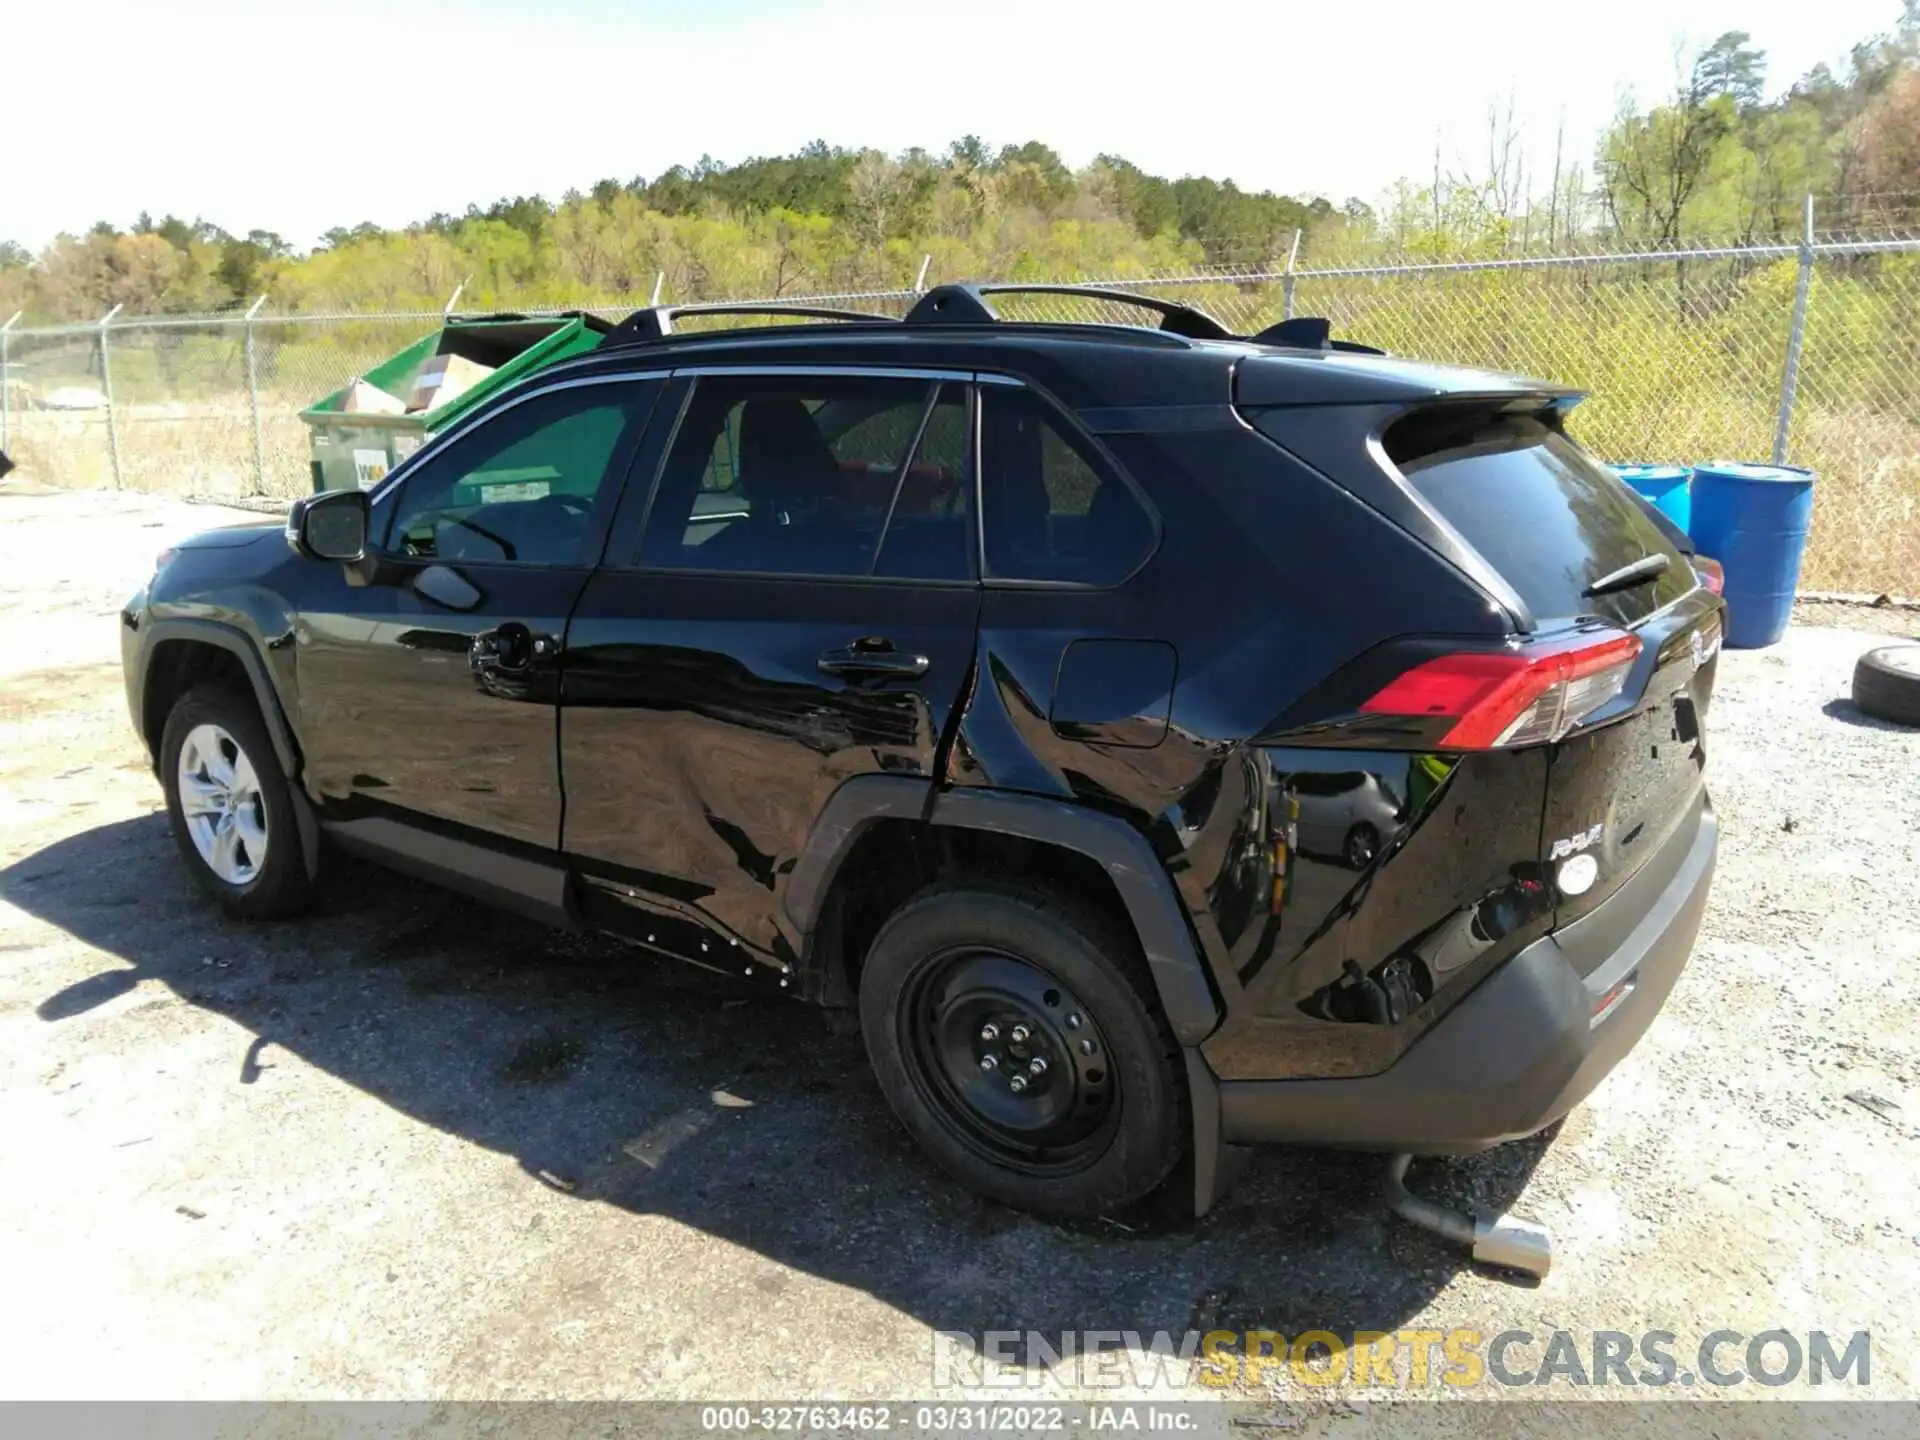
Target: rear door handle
[873,661]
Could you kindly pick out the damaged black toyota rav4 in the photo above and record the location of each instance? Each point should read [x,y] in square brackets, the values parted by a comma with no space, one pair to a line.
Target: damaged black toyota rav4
[1162,740]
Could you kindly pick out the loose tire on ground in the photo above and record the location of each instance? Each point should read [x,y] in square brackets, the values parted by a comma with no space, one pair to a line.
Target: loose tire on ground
[1886,683]
[965,973]
[235,802]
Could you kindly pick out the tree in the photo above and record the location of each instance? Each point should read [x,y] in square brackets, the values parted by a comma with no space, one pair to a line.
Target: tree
[341,236]
[1890,140]
[1144,201]
[1730,66]
[17,280]
[528,214]
[1842,101]
[1652,165]
[1033,175]
[879,194]
[969,152]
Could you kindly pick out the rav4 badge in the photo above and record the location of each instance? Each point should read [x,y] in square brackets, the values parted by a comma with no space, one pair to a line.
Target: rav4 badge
[1573,843]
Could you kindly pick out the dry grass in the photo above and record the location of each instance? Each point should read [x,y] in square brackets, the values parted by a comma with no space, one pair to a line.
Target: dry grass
[200,449]
[1866,503]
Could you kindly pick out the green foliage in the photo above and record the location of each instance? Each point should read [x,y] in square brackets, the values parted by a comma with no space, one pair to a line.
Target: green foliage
[1718,161]
[822,219]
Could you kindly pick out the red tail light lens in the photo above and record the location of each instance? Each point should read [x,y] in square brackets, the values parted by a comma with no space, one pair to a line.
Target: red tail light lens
[1712,574]
[1512,697]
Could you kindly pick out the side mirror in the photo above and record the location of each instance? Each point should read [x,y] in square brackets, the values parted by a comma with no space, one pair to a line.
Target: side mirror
[332,525]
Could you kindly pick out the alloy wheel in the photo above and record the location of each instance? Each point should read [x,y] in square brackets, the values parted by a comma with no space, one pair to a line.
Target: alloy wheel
[220,801]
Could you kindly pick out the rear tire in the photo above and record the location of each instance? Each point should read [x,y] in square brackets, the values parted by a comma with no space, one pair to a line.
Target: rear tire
[1017,1036]
[1886,683]
[229,805]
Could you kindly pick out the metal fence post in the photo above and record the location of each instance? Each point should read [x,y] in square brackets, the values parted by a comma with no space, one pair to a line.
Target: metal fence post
[106,388]
[253,401]
[1286,281]
[1797,336]
[6,385]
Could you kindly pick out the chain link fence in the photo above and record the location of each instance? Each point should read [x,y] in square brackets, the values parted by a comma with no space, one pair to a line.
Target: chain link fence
[1686,357]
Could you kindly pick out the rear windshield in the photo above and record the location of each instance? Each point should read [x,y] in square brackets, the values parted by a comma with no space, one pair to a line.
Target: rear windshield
[1544,513]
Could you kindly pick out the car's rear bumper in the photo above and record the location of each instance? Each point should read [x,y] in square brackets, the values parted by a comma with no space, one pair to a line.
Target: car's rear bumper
[1519,1052]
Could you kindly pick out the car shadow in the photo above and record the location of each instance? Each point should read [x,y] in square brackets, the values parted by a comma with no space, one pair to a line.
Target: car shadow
[629,1082]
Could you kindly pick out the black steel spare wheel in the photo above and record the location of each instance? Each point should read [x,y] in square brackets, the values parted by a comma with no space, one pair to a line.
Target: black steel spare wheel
[1016,1033]
[1009,1060]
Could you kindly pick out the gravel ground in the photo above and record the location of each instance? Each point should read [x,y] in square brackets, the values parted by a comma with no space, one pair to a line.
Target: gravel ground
[410,1148]
[1899,618]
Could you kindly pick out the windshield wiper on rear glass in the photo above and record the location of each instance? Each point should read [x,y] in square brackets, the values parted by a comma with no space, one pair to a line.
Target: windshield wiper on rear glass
[1638,572]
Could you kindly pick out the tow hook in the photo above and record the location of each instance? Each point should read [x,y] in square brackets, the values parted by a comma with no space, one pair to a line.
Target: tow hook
[1495,1239]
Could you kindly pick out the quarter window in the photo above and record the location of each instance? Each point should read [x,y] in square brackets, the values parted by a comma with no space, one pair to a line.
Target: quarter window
[1051,508]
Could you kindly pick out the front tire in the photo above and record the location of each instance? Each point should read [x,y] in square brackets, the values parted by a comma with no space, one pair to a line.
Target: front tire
[1016,1035]
[229,806]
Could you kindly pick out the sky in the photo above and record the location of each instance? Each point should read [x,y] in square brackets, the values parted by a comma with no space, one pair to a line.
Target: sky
[295,117]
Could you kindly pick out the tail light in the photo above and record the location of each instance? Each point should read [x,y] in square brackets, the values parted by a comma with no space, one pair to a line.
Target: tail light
[1712,574]
[1521,696]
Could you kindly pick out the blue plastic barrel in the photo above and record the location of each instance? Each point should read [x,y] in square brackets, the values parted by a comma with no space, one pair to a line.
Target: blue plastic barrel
[1753,520]
[1667,486]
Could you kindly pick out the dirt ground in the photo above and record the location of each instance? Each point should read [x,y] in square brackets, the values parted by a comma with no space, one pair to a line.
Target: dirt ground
[410,1148]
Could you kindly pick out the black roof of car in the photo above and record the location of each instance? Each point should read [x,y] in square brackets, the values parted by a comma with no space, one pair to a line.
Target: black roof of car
[1086,364]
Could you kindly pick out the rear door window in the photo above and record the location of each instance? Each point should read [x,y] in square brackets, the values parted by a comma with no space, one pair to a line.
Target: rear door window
[1544,513]
[816,475]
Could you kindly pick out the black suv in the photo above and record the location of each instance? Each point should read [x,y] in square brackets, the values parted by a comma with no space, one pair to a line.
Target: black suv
[1164,740]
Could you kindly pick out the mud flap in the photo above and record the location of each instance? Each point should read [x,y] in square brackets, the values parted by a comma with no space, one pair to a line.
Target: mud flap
[307,826]
[1216,1164]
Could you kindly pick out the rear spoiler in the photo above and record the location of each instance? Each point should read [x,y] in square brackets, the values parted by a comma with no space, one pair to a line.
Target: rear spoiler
[1310,332]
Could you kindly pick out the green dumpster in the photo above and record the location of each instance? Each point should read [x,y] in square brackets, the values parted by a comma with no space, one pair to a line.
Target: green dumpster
[358,449]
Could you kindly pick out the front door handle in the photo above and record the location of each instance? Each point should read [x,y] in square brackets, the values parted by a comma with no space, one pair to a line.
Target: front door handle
[876,659]
[510,648]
